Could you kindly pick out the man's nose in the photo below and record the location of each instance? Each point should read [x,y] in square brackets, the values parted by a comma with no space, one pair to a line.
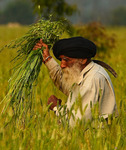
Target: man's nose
[63,64]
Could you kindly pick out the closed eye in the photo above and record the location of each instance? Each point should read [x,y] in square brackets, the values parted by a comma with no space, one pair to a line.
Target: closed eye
[66,59]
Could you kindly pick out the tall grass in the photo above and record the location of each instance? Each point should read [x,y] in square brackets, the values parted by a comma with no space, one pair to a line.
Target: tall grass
[39,128]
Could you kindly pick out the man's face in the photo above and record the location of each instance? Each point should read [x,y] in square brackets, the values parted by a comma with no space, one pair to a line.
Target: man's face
[67,61]
[71,68]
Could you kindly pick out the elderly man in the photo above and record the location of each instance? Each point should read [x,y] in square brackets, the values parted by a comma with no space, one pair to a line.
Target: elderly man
[79,78]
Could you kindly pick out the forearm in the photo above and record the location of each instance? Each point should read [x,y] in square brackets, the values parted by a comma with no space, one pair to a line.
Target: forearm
[53,67]
[56,74]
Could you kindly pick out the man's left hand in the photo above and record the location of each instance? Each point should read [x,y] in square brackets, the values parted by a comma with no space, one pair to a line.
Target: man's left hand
[54,100]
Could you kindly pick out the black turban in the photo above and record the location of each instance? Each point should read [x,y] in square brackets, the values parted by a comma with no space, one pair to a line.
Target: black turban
[75,47]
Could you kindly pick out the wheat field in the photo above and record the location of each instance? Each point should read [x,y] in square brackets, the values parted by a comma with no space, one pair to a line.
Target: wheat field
[39,128]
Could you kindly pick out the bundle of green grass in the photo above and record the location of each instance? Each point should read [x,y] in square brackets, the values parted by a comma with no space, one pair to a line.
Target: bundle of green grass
[29,61]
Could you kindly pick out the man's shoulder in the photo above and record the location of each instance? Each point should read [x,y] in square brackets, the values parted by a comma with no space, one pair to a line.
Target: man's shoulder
[98,72]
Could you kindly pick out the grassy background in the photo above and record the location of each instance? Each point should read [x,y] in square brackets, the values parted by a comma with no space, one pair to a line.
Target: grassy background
[39,128]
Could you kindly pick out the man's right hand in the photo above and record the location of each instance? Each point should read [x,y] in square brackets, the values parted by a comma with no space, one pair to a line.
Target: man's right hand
[39,45]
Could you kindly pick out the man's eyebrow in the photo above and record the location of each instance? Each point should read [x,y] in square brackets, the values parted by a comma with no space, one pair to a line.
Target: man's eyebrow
[65,58]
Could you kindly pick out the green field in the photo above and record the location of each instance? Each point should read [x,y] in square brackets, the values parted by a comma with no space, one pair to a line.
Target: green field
[39,129]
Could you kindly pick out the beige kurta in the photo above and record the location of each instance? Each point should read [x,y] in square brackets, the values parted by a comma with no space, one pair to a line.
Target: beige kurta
[93,85]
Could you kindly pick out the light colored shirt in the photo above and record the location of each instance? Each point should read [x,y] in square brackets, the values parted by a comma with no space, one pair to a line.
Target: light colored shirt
[93,85]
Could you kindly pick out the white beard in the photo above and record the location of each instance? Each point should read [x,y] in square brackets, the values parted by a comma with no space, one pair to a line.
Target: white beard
[70,76]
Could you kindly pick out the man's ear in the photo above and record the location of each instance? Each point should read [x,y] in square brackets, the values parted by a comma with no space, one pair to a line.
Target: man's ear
[84,61]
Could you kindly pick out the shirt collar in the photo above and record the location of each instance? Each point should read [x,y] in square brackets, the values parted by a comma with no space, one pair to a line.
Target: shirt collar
[84,71]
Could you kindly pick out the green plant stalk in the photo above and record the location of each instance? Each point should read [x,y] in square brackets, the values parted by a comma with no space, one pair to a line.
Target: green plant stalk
[24,79]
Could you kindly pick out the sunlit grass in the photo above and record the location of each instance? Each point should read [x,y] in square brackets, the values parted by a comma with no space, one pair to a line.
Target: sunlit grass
[39,129]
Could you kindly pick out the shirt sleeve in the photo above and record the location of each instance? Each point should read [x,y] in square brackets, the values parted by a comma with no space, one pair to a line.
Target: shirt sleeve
[55,73]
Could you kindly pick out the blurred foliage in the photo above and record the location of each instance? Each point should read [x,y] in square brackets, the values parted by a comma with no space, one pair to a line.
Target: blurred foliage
[18,11]
[111,11]
[97,33]
[119,16]
[59,8]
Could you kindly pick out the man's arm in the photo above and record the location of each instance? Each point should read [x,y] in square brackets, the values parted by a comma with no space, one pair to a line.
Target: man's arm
[53,67]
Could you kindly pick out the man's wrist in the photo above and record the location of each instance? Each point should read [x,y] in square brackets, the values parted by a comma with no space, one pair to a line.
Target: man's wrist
[55,109]
[47,59]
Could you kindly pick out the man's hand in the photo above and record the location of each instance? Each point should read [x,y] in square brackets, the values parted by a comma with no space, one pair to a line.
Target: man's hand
[39,45]
[54,100]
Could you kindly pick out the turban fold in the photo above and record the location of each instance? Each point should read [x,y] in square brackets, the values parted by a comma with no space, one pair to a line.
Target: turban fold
[75,47]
